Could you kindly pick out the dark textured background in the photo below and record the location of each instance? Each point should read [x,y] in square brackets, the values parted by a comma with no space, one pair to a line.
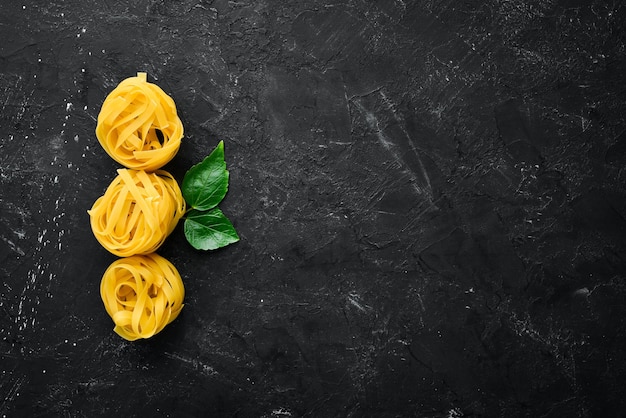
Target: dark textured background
[430,198]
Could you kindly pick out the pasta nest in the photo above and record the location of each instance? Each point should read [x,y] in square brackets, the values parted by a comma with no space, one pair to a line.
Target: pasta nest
[137,212]
[138,125]
[142,294]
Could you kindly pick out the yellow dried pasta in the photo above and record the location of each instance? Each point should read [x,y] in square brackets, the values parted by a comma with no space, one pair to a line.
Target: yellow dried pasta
[142,294]
[137,212]
[138,125]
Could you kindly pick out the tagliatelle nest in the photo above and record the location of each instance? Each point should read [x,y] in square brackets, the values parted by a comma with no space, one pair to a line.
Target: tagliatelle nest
[142,294]
[137,212]
[138,125]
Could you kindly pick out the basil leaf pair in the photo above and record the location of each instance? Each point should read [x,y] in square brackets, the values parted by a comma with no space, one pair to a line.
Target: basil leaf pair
[204,186]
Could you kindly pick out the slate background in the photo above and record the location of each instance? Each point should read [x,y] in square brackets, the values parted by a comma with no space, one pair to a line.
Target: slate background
[430,197]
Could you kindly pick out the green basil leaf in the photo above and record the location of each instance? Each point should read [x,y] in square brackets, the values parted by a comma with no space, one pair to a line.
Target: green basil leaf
[206,183]
[209,230]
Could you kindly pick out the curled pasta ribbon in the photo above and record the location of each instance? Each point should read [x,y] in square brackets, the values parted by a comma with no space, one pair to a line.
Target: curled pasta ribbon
[142,294]
[137,212]
[138,125]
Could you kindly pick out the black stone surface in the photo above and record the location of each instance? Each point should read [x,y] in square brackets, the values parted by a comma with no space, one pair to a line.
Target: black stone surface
[430,198]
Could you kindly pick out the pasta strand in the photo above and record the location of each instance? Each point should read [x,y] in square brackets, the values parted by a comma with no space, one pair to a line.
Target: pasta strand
[137,212]
[138,125]
[142,294]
